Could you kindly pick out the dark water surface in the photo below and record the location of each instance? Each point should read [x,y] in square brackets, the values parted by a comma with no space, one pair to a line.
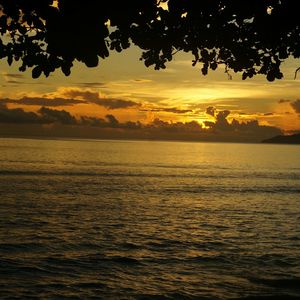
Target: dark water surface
[148,220]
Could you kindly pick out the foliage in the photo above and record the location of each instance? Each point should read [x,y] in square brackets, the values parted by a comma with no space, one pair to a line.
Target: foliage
[249,36]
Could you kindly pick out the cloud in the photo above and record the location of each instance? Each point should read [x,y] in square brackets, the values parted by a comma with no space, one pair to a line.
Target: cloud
[177,110]
[14,79]
[13,75]
[192,126]
[112,120]
[174,110]
[17,115]
[284,101]
[43,116]
[82,94]
[60,116]
[15,82]
[91,84]
[211,111]
[50,116]
[94,97]
[269,114]
[142,80]
[250,128]
[218,130]
[41,101]
[92,121]
[296,106]
[113,103]
[70,97]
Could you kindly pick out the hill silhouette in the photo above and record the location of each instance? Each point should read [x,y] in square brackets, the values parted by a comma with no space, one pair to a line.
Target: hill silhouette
[284,139]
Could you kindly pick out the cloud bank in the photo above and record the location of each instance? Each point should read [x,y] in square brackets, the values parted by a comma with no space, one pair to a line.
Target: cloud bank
[41,101]
[95,97]
[71,97]
[110,127]
[296,106]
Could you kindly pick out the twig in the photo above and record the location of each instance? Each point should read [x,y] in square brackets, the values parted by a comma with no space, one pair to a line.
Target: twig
[296,73]
[173,53]
[228,74]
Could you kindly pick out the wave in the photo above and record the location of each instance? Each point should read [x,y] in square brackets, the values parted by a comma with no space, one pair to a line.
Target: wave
[236,190]
[268,297]
[134,173]
[280,283]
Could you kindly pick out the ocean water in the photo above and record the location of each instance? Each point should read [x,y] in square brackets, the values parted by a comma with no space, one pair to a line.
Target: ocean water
[82,219]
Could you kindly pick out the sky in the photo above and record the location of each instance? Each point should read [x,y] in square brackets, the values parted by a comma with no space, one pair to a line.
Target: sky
[123,98]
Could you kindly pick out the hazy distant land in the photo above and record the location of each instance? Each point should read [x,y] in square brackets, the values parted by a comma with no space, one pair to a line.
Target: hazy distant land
[284,139]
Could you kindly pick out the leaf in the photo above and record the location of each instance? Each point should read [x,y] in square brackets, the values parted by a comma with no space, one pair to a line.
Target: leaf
[271,75]
[66,69]
[91,61]
[204,70]
[204,54]
[22,68]
[213,65]
[36,72]
[9,59]
[47,71]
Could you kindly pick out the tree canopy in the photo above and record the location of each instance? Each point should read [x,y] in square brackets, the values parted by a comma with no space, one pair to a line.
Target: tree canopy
[249,36]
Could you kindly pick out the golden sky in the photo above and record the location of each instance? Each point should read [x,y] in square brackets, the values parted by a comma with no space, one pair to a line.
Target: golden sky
[122,86]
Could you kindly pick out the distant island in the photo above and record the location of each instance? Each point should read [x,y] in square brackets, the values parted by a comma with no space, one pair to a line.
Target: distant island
[284,139]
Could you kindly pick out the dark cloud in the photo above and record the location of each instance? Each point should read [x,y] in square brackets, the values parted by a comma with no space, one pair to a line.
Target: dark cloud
[218,130]
[174,110]
[283,101]
[112,120]
[237,128]
[15,79]
[211,111]
[17,115]
[13,75]
[112,103]
[43,101]
[247,114]
[91,84]
[220,117]
[86,95]
[191,126]
[142,80]
[269,114]
[60,116]
[14,82]
[50,116]
[94,97]
[177,110]
[43,116]
[296,106]
[92,121]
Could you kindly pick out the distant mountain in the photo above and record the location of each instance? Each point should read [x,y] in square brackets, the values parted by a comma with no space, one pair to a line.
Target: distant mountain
[284,139]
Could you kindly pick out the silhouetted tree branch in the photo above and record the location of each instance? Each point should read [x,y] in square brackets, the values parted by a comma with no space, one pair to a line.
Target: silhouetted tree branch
[249,36]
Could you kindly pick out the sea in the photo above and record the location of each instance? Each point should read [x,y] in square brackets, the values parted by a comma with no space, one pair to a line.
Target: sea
[111,219]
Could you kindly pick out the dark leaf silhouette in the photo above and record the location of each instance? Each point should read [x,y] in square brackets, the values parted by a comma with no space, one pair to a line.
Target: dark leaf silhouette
[250,36]
[36,72]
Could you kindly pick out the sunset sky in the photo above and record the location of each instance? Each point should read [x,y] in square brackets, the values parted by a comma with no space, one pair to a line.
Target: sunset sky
[121,86]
